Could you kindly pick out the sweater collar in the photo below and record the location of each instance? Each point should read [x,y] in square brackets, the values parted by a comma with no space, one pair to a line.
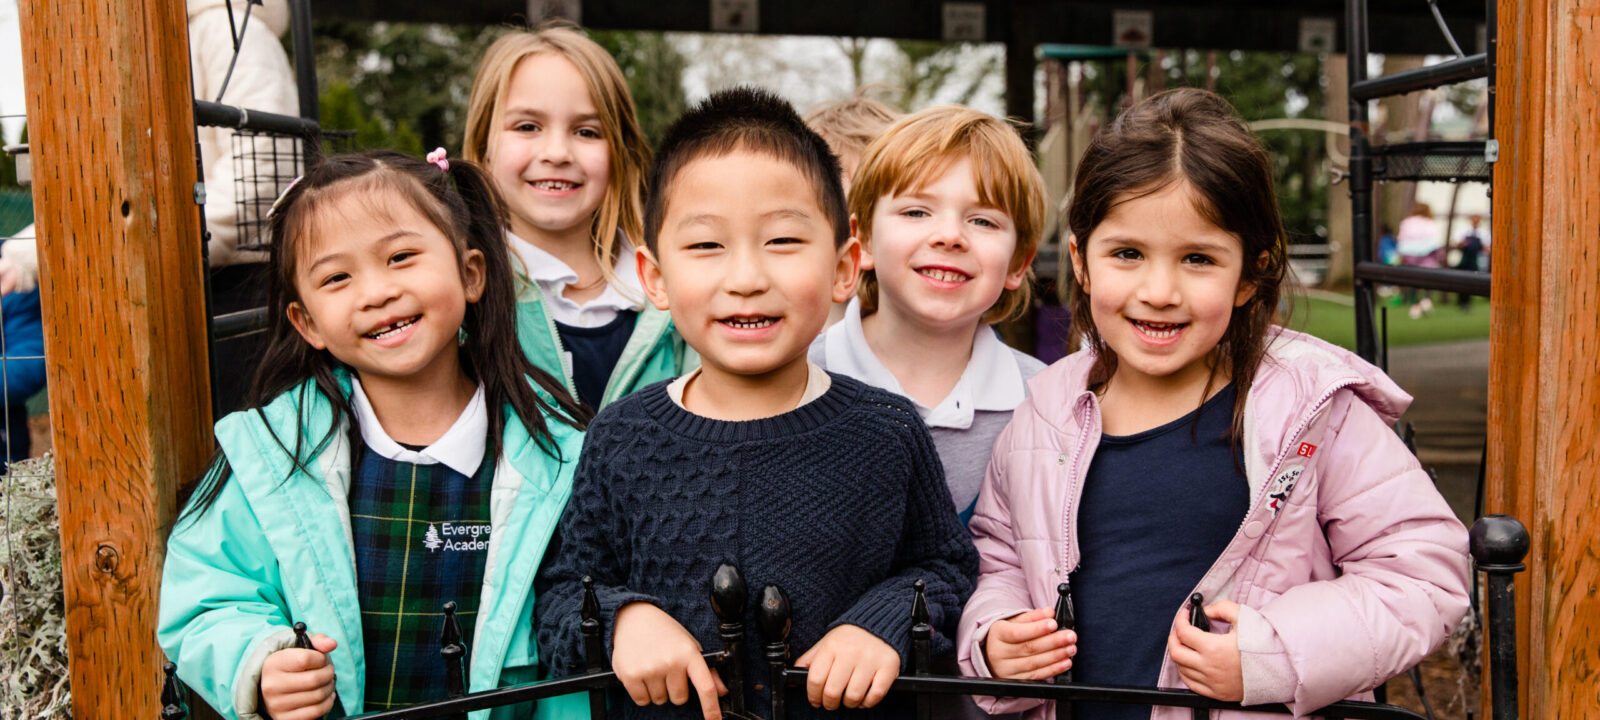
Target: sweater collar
[658,404]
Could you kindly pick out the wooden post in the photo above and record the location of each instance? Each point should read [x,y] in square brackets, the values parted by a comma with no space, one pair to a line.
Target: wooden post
[1544,370]
[110,114]
[1022,39]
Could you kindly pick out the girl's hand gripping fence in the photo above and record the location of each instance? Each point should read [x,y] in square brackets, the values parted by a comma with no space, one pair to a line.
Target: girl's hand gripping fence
[1499,544]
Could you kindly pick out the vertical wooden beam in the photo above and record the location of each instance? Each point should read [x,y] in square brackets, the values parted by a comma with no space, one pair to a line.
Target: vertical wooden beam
[1544,372]
[1022,40]
[110,114]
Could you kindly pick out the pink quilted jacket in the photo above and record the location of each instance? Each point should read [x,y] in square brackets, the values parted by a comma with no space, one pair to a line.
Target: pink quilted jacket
[1349,567]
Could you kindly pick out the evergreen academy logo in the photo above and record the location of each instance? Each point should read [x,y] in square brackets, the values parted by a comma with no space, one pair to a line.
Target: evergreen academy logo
[455,537]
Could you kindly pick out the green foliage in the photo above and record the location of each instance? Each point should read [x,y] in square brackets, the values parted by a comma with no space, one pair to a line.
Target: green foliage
[406,86]
[411,80]
[1262,86]
[33,656]
[1266,86]
[931,65]
[654,68]
[342,111]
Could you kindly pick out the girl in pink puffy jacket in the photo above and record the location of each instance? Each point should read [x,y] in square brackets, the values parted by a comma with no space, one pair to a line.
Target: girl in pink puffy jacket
[1195,447]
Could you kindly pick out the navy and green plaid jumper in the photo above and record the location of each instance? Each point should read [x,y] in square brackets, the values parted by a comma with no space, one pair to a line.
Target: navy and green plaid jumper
[421,535]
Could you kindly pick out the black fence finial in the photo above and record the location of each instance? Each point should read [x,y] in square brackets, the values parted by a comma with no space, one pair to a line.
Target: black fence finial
[1197,618]
[728,598]
[776,622]
[1066,619]
[921,643]
[453,652]
[594,645]
[172,694]
[1499,543]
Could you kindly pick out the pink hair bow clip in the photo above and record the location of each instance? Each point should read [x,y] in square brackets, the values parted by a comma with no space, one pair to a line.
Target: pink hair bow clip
[437,157]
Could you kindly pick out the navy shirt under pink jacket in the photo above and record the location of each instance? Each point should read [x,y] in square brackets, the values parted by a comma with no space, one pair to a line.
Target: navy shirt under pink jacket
[1349,567]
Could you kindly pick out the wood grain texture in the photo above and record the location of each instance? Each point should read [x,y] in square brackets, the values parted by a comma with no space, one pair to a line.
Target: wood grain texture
[110,117]
[1544,377]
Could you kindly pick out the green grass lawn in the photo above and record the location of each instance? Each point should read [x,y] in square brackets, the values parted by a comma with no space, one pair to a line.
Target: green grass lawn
[1336,322]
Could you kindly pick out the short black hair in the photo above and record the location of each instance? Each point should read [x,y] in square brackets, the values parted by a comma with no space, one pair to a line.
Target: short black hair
[745,118]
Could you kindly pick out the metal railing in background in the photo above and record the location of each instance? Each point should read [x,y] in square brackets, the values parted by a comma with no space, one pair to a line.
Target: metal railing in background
[1471,161]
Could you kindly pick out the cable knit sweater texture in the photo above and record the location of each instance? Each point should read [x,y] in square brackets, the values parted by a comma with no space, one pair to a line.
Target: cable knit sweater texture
[841,502]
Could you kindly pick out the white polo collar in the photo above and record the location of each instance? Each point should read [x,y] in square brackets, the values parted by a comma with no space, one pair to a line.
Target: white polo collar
[992,380]
[460,448]
[553,276]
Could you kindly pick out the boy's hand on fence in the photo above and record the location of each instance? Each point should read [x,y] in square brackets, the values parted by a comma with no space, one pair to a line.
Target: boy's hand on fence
[1209,663]
[297,684]
[1029,647]
[657,661]
[849,666]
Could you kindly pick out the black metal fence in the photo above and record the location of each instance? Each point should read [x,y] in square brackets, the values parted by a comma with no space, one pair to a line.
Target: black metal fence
[1499,543]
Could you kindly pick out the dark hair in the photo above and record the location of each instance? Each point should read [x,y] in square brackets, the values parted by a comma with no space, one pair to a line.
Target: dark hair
[464,206]
[751,119]
[1196,137]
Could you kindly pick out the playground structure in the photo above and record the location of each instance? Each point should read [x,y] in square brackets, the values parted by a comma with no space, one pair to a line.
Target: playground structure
[127,334]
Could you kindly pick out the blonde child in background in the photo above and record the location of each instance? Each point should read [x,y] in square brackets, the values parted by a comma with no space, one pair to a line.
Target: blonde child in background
[949,209]
[551,119]
[392,403]
[1195,447]
[849,126]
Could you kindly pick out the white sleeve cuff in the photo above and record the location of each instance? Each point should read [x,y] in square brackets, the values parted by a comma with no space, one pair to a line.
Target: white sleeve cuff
[247,682]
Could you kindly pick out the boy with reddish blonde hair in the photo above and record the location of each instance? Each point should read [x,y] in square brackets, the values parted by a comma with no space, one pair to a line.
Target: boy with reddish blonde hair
[949,209]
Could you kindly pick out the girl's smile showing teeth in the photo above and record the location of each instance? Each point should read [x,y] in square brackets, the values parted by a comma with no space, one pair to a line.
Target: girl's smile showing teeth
[1158,331]
[393,329]
[554,185]
[944,275]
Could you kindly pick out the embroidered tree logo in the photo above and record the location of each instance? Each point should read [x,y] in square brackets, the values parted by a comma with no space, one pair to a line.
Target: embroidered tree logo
[431,540]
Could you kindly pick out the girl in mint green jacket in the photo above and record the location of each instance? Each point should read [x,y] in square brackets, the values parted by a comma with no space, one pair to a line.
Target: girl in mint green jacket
[399,452]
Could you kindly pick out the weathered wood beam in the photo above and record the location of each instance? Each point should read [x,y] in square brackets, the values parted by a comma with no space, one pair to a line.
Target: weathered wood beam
[112,134]
[1544,369]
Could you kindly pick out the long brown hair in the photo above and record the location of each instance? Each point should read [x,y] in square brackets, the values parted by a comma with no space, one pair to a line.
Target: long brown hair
[463,205]
[1192,136]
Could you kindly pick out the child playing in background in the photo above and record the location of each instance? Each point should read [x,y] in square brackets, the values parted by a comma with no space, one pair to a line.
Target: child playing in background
[552,120]
[818,483]
[1195,447]
[398,452]
[949,208]
[849,126]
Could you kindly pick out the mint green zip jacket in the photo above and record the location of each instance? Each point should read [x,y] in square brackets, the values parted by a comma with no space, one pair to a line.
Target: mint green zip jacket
[654,352]
[276,549]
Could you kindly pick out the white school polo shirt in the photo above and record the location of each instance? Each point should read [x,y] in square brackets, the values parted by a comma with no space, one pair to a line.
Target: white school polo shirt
[460,448]
[993,379]
[553,276]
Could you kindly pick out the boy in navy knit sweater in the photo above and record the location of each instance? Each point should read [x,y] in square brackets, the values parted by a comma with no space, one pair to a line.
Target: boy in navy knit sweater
[815,482]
